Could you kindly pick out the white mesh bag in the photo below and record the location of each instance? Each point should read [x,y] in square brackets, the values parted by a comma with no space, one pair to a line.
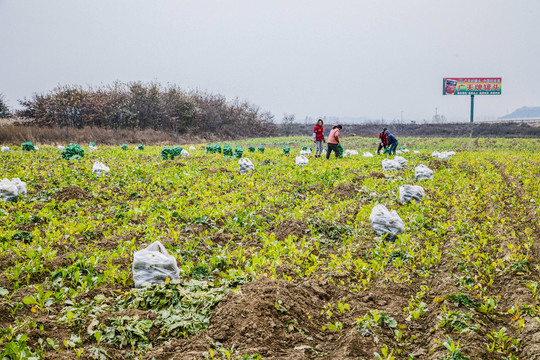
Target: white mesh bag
[245,165]
[100,169]
[386,222]
[422,172]
[153,265]
[21,186]
[390,165]
[408,193]
[402,161]
[367,154]
[9,190]
[301,160]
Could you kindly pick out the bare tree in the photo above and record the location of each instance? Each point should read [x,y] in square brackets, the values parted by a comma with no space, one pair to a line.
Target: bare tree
[288,120]
[4,109]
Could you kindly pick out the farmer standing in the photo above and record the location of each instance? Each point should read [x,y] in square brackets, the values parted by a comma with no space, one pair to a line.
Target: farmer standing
[318,138]
[392,142]
[383,140]
[333,141]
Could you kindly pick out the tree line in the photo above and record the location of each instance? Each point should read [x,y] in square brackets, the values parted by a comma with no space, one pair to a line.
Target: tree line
[142,106]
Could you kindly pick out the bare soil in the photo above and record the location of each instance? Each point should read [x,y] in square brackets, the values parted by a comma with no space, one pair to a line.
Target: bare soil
[72,193]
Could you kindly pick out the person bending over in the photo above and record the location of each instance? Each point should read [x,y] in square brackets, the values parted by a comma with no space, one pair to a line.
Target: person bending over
[383,140]
[333,141]
[392,142]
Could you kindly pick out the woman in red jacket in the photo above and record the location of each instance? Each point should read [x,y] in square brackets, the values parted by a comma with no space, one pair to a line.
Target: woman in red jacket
[383,141]
[318,138]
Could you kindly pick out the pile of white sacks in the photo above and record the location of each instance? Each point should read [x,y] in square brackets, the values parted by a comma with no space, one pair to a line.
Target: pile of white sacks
[10,190]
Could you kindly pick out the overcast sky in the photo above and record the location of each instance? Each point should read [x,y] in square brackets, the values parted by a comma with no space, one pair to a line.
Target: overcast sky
[309,58]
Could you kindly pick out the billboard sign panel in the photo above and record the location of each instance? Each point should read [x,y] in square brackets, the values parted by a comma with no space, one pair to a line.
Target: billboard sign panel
[472,86]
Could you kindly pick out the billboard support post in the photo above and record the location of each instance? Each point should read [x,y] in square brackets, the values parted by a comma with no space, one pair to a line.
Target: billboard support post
[472,108]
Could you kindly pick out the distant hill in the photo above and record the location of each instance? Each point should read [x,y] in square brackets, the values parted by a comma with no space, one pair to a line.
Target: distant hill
[523,112]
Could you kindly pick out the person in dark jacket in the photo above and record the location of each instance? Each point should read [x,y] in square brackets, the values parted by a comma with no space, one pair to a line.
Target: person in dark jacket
[392,142]
[383,141]
[318,138]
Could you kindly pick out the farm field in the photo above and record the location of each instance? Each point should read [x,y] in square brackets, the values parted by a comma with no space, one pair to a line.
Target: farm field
[278,263]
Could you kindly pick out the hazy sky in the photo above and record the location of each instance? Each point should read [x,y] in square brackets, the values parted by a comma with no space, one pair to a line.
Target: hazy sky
[336,58]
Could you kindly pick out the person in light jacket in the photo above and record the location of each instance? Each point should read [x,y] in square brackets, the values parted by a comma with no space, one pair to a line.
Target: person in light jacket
[333,141]
[318,138]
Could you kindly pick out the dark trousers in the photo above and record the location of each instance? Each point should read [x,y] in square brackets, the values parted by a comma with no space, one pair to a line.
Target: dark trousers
[334,148]
[393,147]
[381,146]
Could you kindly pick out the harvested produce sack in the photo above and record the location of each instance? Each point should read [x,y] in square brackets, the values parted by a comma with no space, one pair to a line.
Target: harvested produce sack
[212,149]
[192,148]
[153,265]
[385,222]
[124,147]
[140,147]
[301,160]
[10,190]
[167,153]
[390,165]
[238,151]
[402,161]
[251,148]
[408,193]
[367,154]
[227,150]
[5,149]
[350,153]
[286,150]
[305,153]
[28,146]
[72,152]
[100,169]
[422,172]
[443,155]
[184,153]
[177,150]
[60,147]
[307,148]
[261,148]
[92,148]
[245,165]
[340,150]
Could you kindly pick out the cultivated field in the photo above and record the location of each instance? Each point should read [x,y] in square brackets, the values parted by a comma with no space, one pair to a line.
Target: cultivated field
[279,263]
